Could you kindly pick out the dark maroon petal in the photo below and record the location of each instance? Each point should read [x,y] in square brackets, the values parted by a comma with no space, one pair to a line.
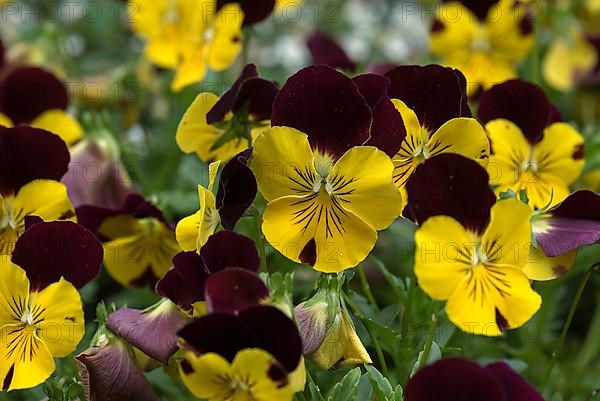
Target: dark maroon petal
[327,106]
[140,208]
[154,332]
[325,50]
[254,10]
[229,249]
[387,130]
[451,185]
[49,251]
[574,222]
[96,179]
[109,373]
[221,333]
[436,94]
[454,379]
[521,102]
[479,7]
[275,333]
[226,101]
[237,190]
[27,154]
[27,92]
[234,289]
[184,284]
[257,94]
[92,217]
[515,387]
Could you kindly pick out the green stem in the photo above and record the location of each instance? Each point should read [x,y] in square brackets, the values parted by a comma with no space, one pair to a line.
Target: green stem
[374,339]
[260,238]
[388,276]
[312,381]
[430,336]
[572,310]
[364,282]
[408,307]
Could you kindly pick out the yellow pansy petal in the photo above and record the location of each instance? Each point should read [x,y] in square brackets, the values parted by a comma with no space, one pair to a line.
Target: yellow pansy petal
[14,291]
[298,377]
[540,267]
[560,152]
[283,163]
[463,136]
[442,255]
[315,229]
[411,121]
[193,231]
[253,366]
[60,123]
[46,199]
[192,68]
[26,361]
[193,133]
[566,61]
[5,121]
[510,151]
[57,312]
[483,70]
[491,299]
[504,30]
[355,352]
[227,40]
[202,375]
[459,27]
[367,192]
[213,169]
[507,238]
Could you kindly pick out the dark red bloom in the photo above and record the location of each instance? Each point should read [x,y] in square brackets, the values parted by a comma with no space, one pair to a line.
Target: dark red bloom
[254,10]
[325,50]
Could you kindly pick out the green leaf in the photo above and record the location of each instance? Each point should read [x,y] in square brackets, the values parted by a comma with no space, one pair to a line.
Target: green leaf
[347,388]
[434,354]
[381,386]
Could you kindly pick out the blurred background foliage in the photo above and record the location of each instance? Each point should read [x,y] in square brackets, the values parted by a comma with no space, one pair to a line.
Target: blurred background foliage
[116,92]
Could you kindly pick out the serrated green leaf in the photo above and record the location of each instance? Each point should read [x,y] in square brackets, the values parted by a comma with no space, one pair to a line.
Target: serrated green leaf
[347,388]
[434,354]
[381,386]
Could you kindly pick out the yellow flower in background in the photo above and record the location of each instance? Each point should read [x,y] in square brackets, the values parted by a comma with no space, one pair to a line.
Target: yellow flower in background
[485,42]
[189,36]
[480,275]
[193,231]
[57,121]
[248,377]
[568,59]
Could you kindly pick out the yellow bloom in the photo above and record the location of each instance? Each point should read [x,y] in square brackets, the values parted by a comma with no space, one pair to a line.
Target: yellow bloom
[254,375]
[35,327]
[485,44]
[480,275]
[193,231]
[189,36]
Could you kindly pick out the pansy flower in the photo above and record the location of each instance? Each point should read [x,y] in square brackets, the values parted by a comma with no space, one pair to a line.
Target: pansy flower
[485,39]
[34,96]
[218,128]
[559,231]
[471,252]
[237,357]
[569,60]
[236,192]
[139,243]
[451,379]
[325,167]
[41,313]
[532,149]
[189,36]
[31,163]
[435,124]
[254,10]
[193,287]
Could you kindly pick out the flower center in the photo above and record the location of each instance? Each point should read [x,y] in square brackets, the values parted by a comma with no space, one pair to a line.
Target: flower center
[478,257]
[172,16]
[480,42]
[323,165]
[530,165]
[7,215]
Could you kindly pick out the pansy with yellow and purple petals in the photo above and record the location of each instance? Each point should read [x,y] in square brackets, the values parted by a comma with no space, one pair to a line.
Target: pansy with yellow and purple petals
[236,191]
[237,357]
[473,254]
[32,161]
[185,284]
[325,168]
[139,243]
[218,128]
[189,36]
[41,313]
[435,124]
[485,39]
[46,109]
[532,149]
[452,379]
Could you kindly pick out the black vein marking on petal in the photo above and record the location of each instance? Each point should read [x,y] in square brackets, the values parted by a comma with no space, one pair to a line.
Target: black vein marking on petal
[435,148]
[501,321]
[305,180]
[8,379]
